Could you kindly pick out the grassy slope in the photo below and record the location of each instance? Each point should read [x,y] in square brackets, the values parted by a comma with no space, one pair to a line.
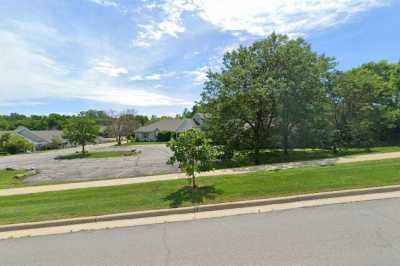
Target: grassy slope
[156,195]
[134,143]
[97,155]
[277,156]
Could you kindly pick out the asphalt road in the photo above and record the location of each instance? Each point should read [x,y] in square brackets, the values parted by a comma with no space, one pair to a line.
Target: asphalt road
[151,161]
[365,233]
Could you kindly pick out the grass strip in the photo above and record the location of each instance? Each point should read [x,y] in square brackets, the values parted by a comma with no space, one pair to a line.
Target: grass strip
[176,193]
[97,155]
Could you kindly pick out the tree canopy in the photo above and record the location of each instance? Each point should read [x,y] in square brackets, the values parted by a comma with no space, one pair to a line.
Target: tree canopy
[279,93]
[81,129]
[193,153]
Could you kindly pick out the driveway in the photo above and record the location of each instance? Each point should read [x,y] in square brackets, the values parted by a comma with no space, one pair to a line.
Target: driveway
[151,160]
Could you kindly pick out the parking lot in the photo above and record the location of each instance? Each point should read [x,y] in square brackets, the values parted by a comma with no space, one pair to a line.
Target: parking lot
[150,161]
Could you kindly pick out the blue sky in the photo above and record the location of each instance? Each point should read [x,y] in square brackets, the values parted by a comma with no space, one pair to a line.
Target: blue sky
[70,55]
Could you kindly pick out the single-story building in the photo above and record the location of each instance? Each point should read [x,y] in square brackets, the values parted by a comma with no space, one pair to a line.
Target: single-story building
[150,132]
[43,139]
[40,139]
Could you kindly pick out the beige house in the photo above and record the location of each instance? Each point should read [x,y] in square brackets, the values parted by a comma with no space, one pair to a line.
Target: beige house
[175,126]
[40,138]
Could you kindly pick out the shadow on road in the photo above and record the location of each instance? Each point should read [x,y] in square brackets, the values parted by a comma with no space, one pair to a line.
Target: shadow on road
[193,195]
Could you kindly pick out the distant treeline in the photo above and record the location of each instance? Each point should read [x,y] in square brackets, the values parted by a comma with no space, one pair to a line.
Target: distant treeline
[57,121]
[34,122]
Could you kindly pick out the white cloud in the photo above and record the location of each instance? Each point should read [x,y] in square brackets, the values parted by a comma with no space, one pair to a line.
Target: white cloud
[107,68]
[191,55]
[200,75]
[154,76]
[227,49]
[294,17]
[139,98]
[255,17]
[20,103]
[36,31]
[105,2]
[137,78]
[215,61]
[29,76]
[170,24]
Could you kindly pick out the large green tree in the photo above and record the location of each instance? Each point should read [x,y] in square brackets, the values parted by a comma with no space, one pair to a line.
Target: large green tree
[264,93]
[388,99]
[301,97]
[81,129]
[361,101]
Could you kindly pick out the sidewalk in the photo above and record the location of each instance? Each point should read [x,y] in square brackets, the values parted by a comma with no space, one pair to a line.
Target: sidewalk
[197,212]
[242,170]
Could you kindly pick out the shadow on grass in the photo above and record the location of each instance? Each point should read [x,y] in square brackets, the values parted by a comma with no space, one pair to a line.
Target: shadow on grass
[98,155]
[193,195]
[73,156]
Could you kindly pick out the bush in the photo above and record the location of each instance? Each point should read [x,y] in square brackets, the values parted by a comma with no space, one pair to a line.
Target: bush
[16,144]
[3,140]
[56,143]
[164,136]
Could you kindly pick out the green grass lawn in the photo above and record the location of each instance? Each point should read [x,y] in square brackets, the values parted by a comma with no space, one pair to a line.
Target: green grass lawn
[8,178]
[97,155]
[244,158]
[167,194]
[241,159]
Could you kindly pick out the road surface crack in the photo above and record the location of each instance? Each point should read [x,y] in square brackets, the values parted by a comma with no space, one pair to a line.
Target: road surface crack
[165,244]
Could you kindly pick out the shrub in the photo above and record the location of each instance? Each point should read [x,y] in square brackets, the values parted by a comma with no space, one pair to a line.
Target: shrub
[56,143]
[17,144]
[164,136]
[4,139]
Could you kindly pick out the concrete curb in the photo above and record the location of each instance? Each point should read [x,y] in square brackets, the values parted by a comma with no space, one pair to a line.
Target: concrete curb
[200,209]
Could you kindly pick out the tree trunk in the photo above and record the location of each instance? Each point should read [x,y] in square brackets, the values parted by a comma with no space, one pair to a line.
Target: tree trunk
[257,142]
[285,142]
[335,150]
[256,154]
[194,181]
[83,148]
[256,150]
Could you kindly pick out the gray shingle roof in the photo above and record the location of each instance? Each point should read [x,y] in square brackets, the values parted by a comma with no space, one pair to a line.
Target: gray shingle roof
[42,137]
[49,135]
[174,125]
[186,125]
[29,135]
[162,125]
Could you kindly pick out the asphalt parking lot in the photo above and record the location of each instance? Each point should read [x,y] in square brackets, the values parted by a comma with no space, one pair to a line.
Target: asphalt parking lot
[151,160]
